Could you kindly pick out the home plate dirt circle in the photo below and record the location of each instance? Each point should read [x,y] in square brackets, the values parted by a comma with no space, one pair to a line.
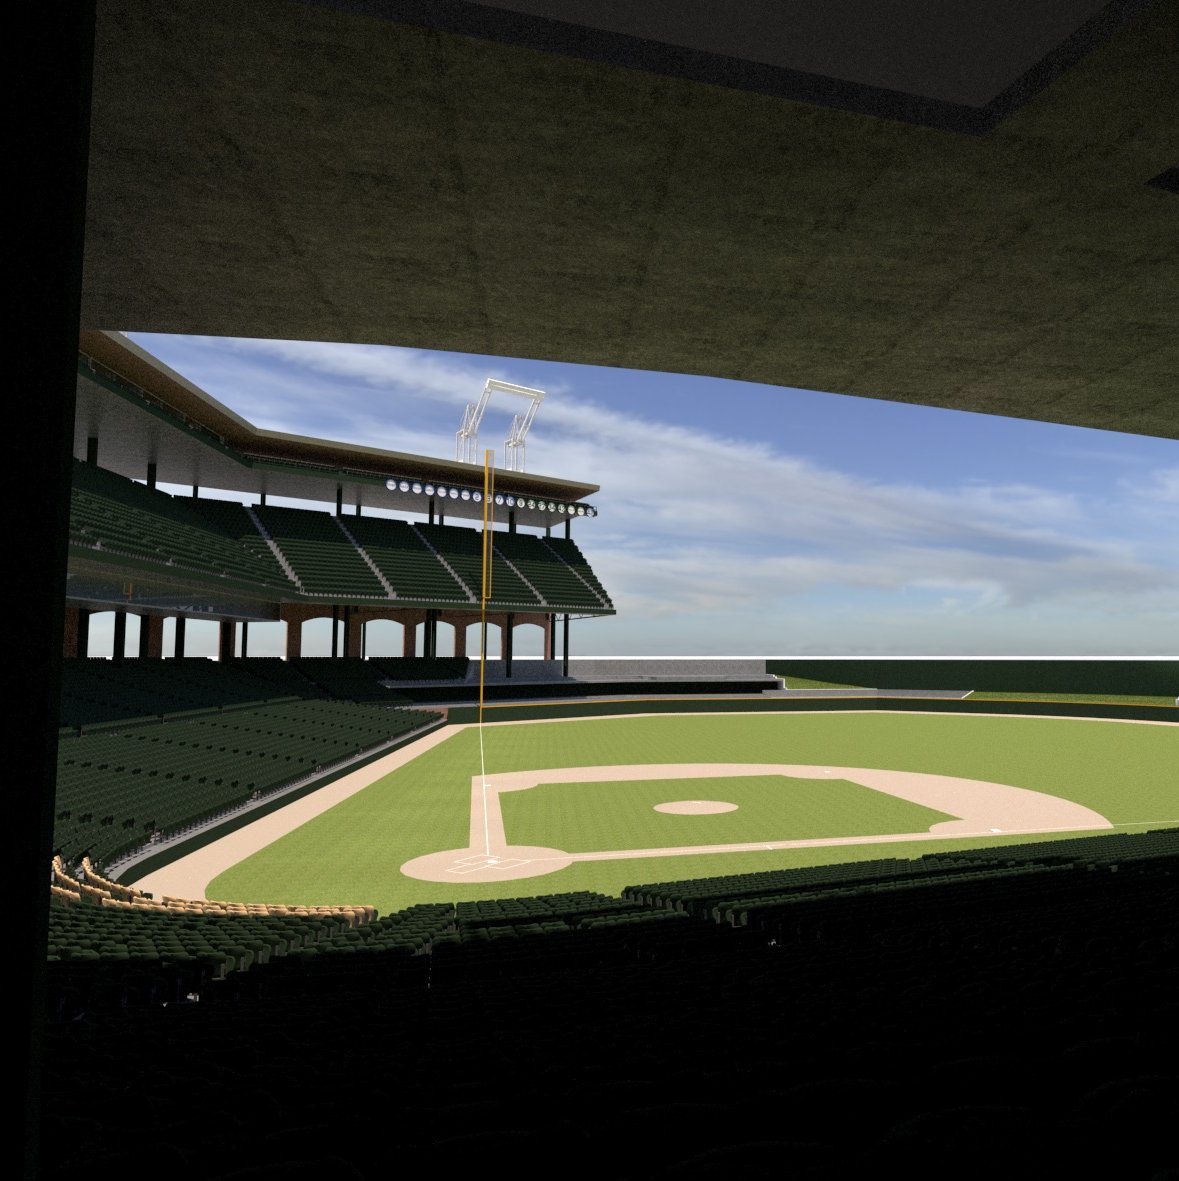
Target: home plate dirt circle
[506,863]
[695,807]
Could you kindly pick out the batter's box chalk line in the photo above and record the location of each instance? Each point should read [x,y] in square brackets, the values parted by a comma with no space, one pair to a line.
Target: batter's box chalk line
[473,864]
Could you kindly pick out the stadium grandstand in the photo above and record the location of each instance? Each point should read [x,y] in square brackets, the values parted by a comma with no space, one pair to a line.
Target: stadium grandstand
[414,559]
[998,1006]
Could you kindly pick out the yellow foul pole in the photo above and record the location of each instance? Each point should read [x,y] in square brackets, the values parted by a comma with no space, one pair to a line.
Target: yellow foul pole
[485,590]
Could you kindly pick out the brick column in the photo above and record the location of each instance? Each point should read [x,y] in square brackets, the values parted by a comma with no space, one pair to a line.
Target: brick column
[409,638]
[294,615]
[294,638]
[351,632]
[151,637]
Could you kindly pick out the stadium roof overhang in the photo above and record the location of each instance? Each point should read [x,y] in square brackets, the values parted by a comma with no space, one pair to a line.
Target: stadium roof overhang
[140,412]
[961,205]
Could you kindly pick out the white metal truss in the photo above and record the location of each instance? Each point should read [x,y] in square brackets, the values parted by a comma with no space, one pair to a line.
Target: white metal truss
[467,438]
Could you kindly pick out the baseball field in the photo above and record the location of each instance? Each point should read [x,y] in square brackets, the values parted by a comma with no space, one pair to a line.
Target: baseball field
[601,803]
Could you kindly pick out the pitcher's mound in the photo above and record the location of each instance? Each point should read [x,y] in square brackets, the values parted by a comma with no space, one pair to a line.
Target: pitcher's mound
[696,807]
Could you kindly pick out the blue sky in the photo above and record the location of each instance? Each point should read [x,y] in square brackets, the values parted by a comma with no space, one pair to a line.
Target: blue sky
[747,520]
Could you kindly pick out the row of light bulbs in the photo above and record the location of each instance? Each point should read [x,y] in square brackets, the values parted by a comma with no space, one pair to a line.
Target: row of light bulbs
[427,489]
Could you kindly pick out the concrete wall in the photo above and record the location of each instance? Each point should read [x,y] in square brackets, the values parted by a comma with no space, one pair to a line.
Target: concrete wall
[590,668]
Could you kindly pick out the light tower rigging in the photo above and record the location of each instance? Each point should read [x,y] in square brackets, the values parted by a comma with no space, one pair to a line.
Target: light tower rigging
[467,436]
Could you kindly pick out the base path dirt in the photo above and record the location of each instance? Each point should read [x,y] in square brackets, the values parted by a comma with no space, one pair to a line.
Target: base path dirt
[982,809]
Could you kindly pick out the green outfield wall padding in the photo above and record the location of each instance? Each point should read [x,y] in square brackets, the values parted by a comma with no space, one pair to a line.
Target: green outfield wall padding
[1137,677]
[509,691]
[583,709]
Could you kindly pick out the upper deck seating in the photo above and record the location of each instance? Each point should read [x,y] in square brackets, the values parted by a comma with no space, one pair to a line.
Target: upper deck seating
[235,522]
[411,568]
[463,549]
[110,513]
[566,549]
[547,571]
[323,558]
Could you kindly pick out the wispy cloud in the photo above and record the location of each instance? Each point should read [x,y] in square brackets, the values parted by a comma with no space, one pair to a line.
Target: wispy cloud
[702,530]
[1160,486]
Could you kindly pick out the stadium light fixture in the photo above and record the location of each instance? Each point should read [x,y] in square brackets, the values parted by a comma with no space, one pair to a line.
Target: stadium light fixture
[466,440]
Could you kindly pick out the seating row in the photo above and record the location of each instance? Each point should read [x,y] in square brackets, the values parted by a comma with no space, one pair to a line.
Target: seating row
[294,552]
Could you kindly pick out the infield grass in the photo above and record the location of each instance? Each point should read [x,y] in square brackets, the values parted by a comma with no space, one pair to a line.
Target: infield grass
[592,817]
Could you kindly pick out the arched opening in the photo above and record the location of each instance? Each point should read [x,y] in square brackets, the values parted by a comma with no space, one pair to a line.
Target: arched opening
[383,637]
[316,638]
[528,642]
[264,637]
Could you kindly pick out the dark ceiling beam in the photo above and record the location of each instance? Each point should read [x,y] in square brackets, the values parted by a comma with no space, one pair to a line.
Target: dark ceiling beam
[553,26]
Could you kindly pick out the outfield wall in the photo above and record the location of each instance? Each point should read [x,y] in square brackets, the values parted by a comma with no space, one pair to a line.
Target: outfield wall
[439,693]
[580,708]
[999,675]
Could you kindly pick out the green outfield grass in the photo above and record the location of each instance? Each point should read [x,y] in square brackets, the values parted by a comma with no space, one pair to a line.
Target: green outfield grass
[352,853]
